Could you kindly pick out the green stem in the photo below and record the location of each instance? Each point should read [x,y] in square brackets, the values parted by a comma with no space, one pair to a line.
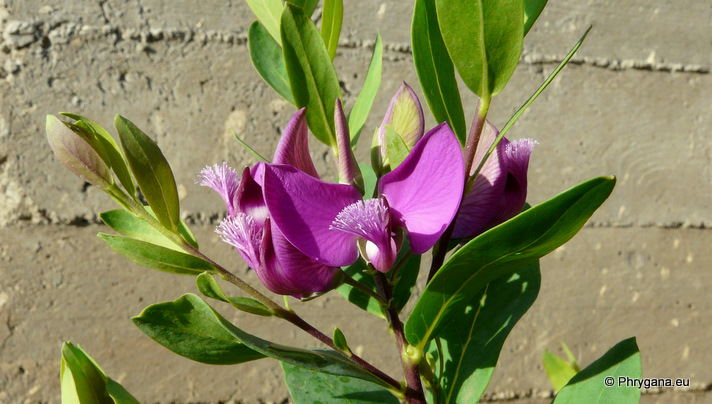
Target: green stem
[365,289]
[414,393]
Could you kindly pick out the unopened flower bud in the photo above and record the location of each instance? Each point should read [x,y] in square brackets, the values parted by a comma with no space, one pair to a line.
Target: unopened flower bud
[77,154]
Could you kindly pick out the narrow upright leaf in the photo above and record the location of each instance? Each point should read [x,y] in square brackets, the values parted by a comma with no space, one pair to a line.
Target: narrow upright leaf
[557,370]
[188,327]
[592,384]
[364,101]
[268,12]
[435,70]
[472,342]
[532,9]
[130,226]
[266,55]
[152,172]
[331,19]
[312,77]
[500,251]
[308,387]
[156,257]
[484,40]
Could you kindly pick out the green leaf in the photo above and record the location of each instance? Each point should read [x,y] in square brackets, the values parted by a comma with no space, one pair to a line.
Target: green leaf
[557,370]
[308,387]
[307,5]
[110,152]
[435,70]
[484,40]
[340,340]
[364,101]
[156,257]
[312,77]
[473,341]
[208,286]
[152,172]
[83,381]
[247,147]
[266,55]
[326,361]
[369,180]
[407,265]
[589,385]
[331,19]
[130,226]
[532,9]
[500,251]
[269,13]
[189,327]
[397,150]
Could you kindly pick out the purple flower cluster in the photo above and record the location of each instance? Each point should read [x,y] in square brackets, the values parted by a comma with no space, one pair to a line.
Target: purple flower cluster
[296,230]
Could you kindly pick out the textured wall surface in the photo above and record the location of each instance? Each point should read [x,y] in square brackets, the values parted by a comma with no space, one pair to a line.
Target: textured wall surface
[636,103]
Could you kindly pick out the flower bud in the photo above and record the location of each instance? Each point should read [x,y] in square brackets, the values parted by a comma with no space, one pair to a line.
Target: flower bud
[77,154]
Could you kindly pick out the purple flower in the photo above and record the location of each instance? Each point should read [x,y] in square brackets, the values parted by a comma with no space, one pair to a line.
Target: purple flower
[279,265]
[500,189]
[324,220]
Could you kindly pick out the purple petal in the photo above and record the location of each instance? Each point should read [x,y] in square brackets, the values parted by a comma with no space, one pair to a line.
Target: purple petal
[301,276]
[282,264]
[303,208]
[370,221]
[293,147]
[223,179]
[348,168]
[517,155]
[480,206]
[248,198]
[424,192]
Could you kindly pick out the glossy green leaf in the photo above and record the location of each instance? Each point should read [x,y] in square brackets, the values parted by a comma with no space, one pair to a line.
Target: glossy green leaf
[83,381]
[364,101]
[473,341]
[397,150]
[308,387]
[312,77]
[484,40]
[500,251]
[266,55]
[407,267]
[557,370]
[435,70]
[268,12]
[156,257]
[130,226]
[532,10]
[307,5]
[152,172]
[111,153]
[208,286]
[589,385]
[331,19]
[189,327]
